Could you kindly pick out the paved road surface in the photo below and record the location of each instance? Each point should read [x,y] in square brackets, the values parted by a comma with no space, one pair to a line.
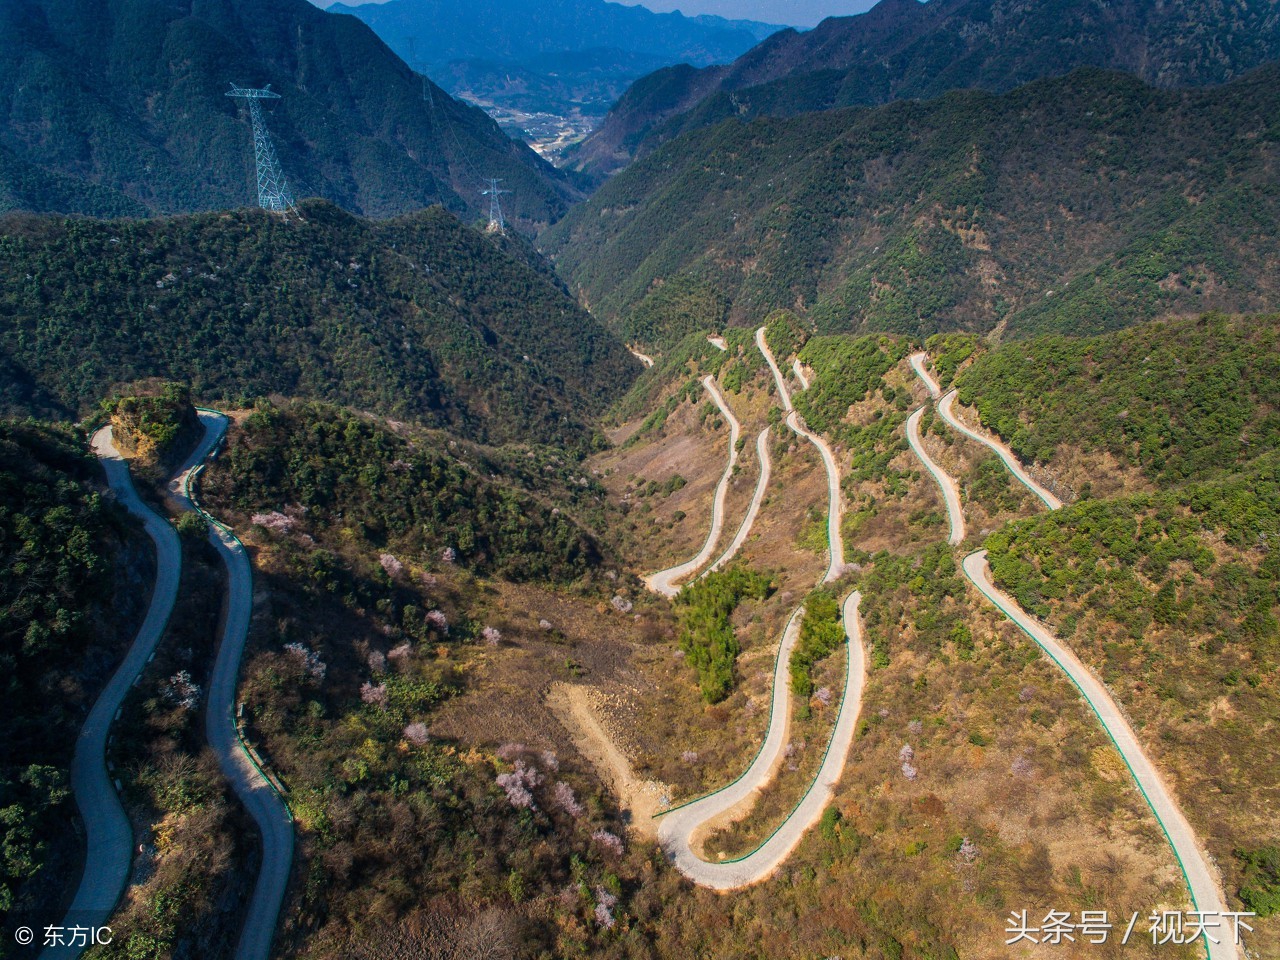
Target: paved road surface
[642,357]
[109,852]
[254,790]
[835,542]
[753,509]
[1201,878]
[664,581]
[918,361]
[679,825]
[799,372]
[950,492]
[945,408]
[717,342]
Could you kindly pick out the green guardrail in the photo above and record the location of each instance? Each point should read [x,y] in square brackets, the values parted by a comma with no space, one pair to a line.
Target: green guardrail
[189,492]
[1075,683]
[844,702]
[773,693]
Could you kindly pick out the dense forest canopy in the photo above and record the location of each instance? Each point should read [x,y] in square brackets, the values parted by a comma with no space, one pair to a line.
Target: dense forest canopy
[420,318]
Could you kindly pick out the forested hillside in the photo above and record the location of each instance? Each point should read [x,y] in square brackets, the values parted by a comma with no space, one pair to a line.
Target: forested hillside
[1180,400]
[58,545]
[420,318]
[129,100]
[903,49]
[1076,205]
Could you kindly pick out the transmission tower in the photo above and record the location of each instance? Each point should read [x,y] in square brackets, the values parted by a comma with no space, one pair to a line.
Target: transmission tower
[420,68]
[497,223]
[273,191]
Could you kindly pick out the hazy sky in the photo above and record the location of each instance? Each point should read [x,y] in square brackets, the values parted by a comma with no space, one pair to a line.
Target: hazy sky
[800,13]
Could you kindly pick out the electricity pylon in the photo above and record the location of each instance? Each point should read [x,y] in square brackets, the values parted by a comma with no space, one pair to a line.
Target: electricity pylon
[418,67]
[273,191]
[497,223]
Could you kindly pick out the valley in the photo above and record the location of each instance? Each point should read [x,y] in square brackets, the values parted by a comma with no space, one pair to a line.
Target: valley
[639,486]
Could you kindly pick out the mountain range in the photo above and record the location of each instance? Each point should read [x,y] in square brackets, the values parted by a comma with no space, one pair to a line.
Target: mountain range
[561,57]
[1076,204]
[904,49]
[118,106]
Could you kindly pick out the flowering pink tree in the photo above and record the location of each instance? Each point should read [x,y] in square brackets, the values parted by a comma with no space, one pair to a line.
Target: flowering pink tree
[274,520]
[438,621]
[306,658]
[181,690]
[518,785]
[608,841]
[391,565]
[605,902]
[417,734]
[374,694]
[567,801]
[491,636]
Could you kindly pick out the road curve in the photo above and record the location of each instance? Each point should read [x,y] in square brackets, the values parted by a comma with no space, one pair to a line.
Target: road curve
[678,825]
[798,368]
[835,542]
[950,492]
[109,836]
[753,509]
[255,791]
[642,357]
[664,581]
[945,408]
[1200,877]
[930,384]
[717,342]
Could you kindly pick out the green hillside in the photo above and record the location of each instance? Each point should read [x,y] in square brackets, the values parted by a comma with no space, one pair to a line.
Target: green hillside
[1181,400]
[1080,204]
[419,318]
[903,49]
[57,547]
[128,97]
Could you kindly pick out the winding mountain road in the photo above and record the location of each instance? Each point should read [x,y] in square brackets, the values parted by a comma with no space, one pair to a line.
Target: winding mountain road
[918,361]
[109,836]
[798,368]
[642,357]
[680,824]
[664,581]
[946,409]
[1205,891]
[950,492]
[753,509]
[255,791]
[1201,879]
[835,542]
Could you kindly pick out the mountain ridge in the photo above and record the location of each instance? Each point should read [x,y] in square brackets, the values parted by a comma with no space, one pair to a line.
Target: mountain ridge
[420,317]
[903,49]
[129,97]
[1076,204]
